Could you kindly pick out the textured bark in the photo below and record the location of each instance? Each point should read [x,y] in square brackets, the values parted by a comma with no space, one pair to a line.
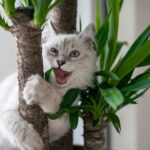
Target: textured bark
[29,60]
[93,135]
[63,19]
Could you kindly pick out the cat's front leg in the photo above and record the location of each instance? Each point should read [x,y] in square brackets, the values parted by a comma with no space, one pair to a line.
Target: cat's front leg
[40,92]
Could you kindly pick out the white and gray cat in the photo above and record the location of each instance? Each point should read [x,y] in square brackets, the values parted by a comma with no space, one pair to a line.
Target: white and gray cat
[73,61]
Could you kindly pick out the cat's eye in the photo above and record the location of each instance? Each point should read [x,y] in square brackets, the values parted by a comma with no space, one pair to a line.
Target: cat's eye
[74,54]
[53,51]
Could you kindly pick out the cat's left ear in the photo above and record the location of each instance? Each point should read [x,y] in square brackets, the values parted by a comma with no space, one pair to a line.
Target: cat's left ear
[88,35]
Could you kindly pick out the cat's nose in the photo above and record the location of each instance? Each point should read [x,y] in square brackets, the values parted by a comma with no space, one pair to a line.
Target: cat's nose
[60,62]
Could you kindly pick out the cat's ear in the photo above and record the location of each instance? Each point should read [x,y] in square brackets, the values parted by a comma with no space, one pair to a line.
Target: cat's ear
[48,32]
[88,35]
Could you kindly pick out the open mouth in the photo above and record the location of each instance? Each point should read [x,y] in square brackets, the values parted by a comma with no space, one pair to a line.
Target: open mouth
[61,75]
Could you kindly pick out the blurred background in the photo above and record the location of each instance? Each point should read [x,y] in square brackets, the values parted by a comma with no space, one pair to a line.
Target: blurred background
[135,120]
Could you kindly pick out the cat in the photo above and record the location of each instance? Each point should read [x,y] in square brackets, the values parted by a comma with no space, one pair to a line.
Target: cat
[74,62]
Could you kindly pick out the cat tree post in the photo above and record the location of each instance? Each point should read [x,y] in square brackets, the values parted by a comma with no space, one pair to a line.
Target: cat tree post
[29,61]
[63,19]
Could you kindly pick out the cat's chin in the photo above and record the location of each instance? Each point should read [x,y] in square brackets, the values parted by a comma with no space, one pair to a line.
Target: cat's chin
[61,76]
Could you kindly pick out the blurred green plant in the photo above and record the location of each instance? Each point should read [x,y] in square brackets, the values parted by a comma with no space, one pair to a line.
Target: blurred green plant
[115,87]
[41,10]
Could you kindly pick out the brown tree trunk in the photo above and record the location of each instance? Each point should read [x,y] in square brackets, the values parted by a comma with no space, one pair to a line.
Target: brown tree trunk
[29,60]
[63,19]
[93,135]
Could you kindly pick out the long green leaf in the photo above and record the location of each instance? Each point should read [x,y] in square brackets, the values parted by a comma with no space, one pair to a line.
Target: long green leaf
[70,97]
[112,96]
[54,4]
[4,24]
[98,21]
[102,35]
[115,121]
[27,3]
[107,74]
[142,84]
[74,117]
[139,42]
[114,6]
[47,74]
[133,60]
[146,62]
[9,7]
[40,11]
[56,115]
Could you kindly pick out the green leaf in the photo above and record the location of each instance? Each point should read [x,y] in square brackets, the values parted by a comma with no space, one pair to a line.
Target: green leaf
[125,80]
[4,24]
[144,63]
[133,60]
[121,4]
[40,11]
[144,75]
[102,35]
[136,96]
[114,6]
[70,97]
[9,7]
[112,96]
[98,21]
[119,47]
[107,74]
[56,115]
[54,4]
[74,117]
[138,43]
[115,121]
[141,84]
[48,74]
[27,3]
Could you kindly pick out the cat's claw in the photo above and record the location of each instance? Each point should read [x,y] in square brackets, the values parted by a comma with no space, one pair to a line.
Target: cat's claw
[32,89]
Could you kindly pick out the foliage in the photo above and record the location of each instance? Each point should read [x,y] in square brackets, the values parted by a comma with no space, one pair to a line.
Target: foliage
[41,10]
[115,87]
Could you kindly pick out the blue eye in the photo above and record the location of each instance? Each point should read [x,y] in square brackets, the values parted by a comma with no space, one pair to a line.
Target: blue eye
[74,54]
[53,51]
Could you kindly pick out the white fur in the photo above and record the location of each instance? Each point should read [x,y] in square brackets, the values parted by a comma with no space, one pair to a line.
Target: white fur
[16,133]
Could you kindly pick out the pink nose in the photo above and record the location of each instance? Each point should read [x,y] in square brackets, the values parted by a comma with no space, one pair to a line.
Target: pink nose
[60,62]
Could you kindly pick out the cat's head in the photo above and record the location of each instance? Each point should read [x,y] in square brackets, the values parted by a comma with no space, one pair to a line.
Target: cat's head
[72,58]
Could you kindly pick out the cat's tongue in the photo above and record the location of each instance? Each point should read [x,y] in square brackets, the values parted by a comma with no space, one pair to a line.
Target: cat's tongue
[61,76]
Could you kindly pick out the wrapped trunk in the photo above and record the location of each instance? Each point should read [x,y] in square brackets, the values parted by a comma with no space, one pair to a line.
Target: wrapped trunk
[63,20]
[29,61]
[93,135]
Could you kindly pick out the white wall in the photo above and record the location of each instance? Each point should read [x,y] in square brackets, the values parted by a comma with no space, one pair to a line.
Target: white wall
[7,54]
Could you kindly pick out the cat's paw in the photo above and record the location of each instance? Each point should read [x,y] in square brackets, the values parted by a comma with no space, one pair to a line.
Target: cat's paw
[30,140]
[31,90]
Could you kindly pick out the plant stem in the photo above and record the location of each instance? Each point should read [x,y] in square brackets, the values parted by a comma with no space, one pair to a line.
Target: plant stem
[29,61]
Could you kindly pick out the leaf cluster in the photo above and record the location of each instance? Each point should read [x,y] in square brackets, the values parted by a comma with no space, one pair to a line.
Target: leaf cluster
[41,9]
[115,86]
